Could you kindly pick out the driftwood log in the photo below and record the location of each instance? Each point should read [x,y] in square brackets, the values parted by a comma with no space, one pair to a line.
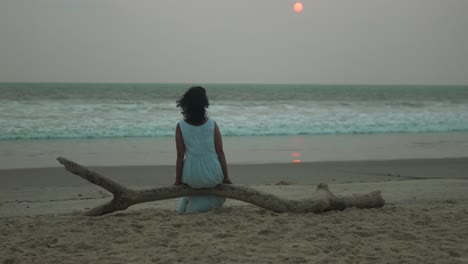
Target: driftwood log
[125,197]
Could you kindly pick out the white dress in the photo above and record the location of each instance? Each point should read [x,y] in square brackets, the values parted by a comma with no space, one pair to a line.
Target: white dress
[201,168]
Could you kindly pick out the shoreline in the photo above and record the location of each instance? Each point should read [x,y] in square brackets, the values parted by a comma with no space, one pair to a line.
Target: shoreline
[252,174]
[239,150]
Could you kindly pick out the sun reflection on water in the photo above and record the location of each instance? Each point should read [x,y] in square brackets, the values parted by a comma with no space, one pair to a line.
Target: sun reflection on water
[296,155]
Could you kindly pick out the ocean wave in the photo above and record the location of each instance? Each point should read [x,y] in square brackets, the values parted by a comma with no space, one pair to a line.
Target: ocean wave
[104,112]
[42,136]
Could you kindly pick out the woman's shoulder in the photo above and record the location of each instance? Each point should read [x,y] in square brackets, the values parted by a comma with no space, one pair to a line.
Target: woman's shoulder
[212,122]
[205,122]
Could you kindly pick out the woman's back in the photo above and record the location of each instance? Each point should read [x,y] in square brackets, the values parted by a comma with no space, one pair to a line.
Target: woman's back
[198,140]
[201,164]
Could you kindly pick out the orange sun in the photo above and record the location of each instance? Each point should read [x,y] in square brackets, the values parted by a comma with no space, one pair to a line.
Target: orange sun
[298,7]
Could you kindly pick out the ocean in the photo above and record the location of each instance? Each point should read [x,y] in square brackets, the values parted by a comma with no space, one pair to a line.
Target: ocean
[80,110]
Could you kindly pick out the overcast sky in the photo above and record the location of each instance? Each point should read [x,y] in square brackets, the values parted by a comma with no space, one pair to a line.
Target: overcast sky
[235,41]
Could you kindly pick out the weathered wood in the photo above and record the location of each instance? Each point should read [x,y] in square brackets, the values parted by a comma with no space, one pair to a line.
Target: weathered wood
[125,197]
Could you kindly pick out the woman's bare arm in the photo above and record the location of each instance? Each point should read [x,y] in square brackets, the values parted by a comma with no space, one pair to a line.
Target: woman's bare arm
[180,155]
[221,156]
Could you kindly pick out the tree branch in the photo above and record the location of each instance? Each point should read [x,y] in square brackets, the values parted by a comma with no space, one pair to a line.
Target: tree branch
[125,197]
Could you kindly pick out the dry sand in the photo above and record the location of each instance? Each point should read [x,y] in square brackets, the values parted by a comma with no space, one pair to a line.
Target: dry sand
[425,219]
[417,233]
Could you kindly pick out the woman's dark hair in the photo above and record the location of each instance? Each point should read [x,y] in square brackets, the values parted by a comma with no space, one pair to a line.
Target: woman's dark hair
[194,103]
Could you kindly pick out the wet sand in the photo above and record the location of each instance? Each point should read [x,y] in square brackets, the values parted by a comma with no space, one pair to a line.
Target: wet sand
[239,150]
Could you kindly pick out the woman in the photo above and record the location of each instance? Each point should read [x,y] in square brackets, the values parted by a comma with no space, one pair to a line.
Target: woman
[200,157]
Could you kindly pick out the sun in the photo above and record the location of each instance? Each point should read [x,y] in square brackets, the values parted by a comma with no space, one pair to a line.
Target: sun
[298,7]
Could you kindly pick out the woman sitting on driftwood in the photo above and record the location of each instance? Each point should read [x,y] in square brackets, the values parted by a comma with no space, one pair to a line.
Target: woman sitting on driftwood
[201,162]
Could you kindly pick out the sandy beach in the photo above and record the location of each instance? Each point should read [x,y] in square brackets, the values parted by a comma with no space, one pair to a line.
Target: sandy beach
[417,233]
[423,179]
[424,219]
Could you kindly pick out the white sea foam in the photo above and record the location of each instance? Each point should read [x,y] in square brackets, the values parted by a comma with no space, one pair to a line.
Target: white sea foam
[138,113]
